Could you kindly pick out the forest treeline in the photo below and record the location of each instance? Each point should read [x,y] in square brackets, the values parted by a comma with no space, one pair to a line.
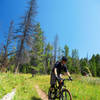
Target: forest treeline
[26,49]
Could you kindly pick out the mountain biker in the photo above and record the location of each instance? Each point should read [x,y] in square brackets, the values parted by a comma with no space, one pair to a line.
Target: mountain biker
[58,68]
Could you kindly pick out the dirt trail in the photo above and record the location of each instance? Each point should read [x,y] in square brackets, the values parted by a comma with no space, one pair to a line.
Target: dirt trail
[42,94]
[9,96]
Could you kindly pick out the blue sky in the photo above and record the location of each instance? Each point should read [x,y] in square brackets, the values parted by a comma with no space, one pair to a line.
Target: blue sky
[77,22]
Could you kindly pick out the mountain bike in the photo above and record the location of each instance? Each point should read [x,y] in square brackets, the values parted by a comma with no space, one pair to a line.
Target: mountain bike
[59,92]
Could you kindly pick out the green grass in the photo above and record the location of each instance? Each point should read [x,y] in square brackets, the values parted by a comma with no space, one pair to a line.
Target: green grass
[81,88]
[24,84]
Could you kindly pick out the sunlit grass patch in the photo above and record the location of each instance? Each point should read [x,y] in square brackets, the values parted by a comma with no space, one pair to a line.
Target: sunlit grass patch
[81,87]
[24,84]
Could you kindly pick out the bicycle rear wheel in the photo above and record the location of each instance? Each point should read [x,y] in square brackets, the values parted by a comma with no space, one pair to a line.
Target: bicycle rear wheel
[51,94]
[66,95]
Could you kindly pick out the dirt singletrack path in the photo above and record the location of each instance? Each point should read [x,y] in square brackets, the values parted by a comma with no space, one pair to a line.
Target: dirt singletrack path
[42,94]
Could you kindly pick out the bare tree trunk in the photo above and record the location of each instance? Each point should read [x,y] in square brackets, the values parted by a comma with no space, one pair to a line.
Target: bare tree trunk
[17,67]
[55,48]
[26,28]
[4,58]
[19,56]
[46,65]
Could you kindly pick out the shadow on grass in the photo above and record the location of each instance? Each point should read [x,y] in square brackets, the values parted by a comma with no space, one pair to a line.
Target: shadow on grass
[35,98]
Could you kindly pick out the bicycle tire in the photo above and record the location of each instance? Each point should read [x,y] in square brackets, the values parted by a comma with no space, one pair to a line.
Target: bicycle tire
[50,95]
[66,95]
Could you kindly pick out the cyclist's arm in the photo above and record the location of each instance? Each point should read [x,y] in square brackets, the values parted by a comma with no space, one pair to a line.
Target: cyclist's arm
[68,74]
[55,72]
[58,78]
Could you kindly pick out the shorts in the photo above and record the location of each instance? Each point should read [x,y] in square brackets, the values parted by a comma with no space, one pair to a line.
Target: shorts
[53,79]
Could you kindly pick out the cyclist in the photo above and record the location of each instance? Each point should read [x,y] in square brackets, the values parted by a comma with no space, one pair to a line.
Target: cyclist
[58,68]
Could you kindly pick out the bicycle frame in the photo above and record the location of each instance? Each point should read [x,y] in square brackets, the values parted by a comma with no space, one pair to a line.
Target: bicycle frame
[58,91]
[59,88]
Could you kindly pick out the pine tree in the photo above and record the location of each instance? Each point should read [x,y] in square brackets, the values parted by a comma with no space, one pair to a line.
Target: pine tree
[93,65]
[97,60]
[38,49]
[69,64]
[60,53]
[66,51]
[83,66]
[75,61]
[48,58]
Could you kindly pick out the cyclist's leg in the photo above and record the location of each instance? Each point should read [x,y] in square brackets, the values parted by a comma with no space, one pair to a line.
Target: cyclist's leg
[51,92]
[53,80]
[52,87]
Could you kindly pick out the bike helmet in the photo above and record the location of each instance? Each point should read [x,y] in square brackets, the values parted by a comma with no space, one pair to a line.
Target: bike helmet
[64,59]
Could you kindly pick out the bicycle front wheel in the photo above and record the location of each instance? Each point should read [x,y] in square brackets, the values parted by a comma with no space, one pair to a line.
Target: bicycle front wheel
[66,95]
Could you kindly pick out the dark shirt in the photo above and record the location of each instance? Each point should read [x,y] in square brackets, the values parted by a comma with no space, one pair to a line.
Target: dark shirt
[60,68]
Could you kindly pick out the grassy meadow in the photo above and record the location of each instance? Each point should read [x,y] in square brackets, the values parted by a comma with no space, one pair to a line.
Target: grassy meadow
[81,88]
[24,84]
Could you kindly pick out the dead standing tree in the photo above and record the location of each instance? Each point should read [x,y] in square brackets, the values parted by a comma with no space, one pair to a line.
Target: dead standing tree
[7,48]
[26,29]
[55,48]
